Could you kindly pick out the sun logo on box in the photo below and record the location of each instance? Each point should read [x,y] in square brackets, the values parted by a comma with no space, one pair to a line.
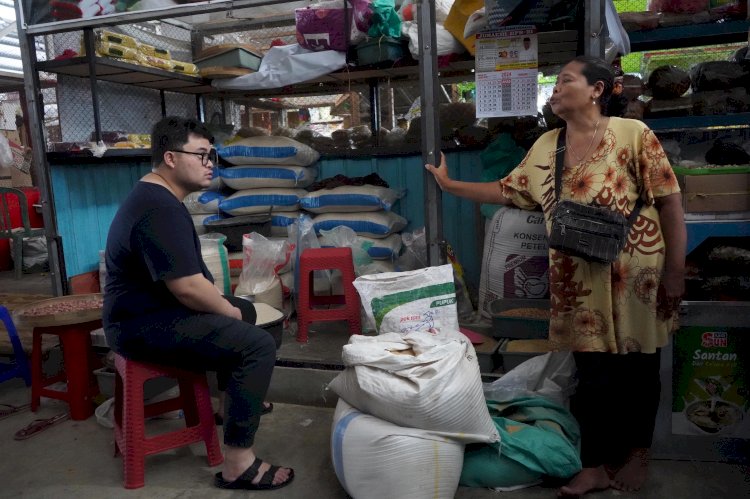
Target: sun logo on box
[714,339]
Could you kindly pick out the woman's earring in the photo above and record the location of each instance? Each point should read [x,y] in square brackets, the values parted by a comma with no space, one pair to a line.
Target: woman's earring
[593,101]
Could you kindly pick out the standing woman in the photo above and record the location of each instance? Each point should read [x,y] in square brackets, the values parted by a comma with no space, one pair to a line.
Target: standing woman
[614,317]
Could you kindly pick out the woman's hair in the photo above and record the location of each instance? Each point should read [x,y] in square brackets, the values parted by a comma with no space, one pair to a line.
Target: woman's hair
[595,69]
[172,133]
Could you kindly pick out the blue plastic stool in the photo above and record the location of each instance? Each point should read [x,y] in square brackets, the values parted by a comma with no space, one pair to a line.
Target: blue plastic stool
[20,367]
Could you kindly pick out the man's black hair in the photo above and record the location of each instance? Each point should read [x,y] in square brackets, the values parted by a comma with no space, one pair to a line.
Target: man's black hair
[172,133]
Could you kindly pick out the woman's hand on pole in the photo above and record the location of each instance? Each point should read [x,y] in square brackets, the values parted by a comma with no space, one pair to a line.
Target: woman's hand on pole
[440,173]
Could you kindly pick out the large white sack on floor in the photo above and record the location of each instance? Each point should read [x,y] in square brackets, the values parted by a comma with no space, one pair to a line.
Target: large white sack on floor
[375,459]
[417,300]
[285,65]
[281,220]
[515,260]
[417,380]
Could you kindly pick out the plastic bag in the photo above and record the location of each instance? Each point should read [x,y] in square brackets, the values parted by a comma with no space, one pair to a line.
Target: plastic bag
[345,237]
[384,21]
[6,155]
[415,251]
[549,375]
[302,235]
[286,65]
[261,260]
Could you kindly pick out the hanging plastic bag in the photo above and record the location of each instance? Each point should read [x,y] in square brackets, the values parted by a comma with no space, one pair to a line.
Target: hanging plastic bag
[6,154]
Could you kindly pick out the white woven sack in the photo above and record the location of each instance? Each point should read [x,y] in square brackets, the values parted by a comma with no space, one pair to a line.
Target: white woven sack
[200,202]
[252,201]
[375,459]
[199,221]
[280,221]
[349,198]
[515,260]
[417,300]
[386,248]
[258,176]
[268,150]
[376,224]
[417,380]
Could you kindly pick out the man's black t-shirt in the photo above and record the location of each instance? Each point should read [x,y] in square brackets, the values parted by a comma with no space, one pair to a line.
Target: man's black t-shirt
[152,238]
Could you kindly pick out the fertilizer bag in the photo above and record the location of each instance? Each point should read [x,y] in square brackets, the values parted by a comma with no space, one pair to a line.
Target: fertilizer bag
[418,300]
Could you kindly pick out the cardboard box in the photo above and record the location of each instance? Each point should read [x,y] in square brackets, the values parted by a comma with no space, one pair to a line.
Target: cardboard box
[715,193]
[710,384]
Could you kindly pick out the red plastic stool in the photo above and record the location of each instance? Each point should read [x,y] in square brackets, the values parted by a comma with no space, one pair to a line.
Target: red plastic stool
[131,414]
[79,363]
[326,259]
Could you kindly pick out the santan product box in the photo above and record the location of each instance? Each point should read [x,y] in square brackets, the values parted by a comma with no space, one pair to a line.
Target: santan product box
[711,371]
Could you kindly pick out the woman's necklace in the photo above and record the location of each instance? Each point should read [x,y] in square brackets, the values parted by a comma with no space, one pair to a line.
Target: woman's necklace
[168,186]
[591,143]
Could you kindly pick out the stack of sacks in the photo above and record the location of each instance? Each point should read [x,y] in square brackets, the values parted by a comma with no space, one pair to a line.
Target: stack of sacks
[366,209]
[269,175]
[408,405]
[411,397]
[203,205]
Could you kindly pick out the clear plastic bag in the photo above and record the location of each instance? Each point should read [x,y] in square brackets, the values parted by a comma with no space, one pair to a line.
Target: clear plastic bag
[6,154]
[345,237]
[261,260]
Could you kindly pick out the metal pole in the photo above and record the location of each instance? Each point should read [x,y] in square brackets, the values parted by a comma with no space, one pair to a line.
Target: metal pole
[35,102]
[594,20]
[88,41]
[374,107]
[428,82]
[163,101]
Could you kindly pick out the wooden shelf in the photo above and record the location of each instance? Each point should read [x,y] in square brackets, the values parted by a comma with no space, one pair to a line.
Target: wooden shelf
[698,122]
[688,36]
[555,48]
[127,74]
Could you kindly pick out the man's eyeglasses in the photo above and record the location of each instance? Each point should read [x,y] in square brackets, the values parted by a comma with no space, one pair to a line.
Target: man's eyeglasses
[211,156]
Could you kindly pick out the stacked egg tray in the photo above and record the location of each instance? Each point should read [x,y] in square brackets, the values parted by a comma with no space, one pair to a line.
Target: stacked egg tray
[522,326]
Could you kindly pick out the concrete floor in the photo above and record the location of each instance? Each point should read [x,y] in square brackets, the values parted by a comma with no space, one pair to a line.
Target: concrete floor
[75,459]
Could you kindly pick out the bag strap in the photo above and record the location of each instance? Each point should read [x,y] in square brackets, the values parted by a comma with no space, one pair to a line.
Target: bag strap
[559,162]
[560,166]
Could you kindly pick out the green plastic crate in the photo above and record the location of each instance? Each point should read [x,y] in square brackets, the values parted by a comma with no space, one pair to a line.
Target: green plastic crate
[379,50]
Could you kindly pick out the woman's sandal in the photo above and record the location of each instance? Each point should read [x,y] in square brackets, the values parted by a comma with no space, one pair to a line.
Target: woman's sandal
[245,480]
[38,425]
[7,410]
[219,419]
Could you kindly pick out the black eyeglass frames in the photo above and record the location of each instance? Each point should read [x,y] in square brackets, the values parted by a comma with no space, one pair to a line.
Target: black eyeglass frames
[211,156]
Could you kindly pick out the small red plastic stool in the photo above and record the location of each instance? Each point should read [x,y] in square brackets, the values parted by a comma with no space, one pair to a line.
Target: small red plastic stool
[326,259]
[79,363]
[131,414]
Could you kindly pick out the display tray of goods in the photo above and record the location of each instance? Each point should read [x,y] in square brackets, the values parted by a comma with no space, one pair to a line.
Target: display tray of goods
[60,311]
[515,352]
[228,60]
[520,318]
